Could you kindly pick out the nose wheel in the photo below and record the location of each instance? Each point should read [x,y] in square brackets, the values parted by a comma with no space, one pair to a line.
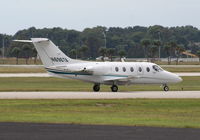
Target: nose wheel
[165,88]
[96,87]
[114,88]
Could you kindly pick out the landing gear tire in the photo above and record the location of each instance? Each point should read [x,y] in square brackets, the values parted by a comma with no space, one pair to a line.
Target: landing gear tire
[96,88]
[114,88]
[166,88]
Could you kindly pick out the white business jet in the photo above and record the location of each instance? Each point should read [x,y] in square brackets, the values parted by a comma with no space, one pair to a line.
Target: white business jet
[109,73]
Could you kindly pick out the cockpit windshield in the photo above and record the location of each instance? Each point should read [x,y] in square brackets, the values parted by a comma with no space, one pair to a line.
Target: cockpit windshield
[157,68]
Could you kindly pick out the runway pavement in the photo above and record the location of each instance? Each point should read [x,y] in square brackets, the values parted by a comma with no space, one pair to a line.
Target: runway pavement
[39,131]
[47,75]
[100,95]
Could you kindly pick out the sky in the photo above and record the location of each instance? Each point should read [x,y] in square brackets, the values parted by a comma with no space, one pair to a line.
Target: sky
[16,15]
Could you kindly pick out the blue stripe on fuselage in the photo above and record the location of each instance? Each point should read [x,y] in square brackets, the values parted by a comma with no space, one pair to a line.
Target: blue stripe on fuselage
[72,73]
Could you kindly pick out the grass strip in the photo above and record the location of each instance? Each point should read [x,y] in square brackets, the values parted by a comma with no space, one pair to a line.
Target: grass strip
[183,113]
[56,84]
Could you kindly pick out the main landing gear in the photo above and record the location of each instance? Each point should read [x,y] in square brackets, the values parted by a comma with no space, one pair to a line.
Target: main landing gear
[165,87]
[96,88]
[114,88]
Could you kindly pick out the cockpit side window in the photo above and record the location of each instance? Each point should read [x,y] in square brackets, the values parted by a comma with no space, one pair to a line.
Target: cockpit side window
[157,68]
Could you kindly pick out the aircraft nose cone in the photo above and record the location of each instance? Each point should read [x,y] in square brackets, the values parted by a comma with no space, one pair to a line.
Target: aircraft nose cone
[174,78]
[179,79]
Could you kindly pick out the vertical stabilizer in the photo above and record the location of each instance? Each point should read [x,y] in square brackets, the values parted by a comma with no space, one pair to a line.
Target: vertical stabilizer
[49,53]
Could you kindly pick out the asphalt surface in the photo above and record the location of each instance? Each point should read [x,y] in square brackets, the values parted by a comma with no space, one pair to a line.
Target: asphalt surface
[100,95]
[33,131]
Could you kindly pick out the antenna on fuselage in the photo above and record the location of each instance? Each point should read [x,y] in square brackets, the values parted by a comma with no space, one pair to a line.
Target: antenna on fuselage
[122,60]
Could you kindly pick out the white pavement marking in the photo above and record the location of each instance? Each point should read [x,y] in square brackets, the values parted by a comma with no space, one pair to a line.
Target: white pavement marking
[24,75]
[100,95]
[188,74]
[47,75]
[180,66]
[23,66]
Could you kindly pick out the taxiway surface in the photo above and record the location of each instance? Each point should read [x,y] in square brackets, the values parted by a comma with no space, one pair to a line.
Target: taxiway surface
[99,95]
[38,131]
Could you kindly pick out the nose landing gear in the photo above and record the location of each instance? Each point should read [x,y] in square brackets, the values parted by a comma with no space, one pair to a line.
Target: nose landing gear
[165,87]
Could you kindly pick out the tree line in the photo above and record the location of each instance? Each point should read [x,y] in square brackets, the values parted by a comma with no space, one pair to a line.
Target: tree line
[133,42]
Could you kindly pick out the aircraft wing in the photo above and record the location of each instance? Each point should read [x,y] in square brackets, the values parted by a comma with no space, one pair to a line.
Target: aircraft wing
[83,72]
[71,70]
[119,78]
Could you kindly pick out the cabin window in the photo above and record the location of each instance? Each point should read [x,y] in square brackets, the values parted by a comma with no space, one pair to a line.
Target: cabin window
[157,68]
[140,69]
[124,69]
[148,69]
[131,69]
[116,69]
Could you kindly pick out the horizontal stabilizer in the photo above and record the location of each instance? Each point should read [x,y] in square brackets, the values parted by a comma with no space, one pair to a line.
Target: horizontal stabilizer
[25,41]
[36,40]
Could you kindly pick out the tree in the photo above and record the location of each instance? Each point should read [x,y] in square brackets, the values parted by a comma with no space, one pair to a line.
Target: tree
[73,53]
[92,37]
[121,53]
[15,52]
[169,48]
[103,52]
[178,50]
[83,49]
[111,52]
[152,52]
[145,43]
[157,43]
[198,54]
[27,51]
[34,54]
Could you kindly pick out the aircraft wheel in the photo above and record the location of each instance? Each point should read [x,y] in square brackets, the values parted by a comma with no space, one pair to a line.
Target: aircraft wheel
[96,88]
[114,88]
[166,88]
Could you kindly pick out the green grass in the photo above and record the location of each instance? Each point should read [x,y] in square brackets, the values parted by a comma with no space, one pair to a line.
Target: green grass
[22,70]
[21,61]
[134,112]
[56,84]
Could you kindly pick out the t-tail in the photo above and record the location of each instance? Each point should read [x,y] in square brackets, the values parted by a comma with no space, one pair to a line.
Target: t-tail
[49,53]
